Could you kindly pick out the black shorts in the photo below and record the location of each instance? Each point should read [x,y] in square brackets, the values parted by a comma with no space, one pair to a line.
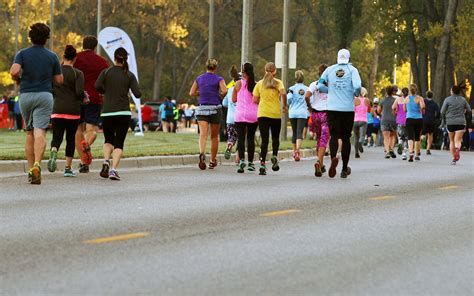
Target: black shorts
[91,114]
[169,118]
[428,129]
[340,124]
[456,127]
[414,127]
[212,119]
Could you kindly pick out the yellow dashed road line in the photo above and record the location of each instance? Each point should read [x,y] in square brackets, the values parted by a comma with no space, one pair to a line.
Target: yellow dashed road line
[121,237]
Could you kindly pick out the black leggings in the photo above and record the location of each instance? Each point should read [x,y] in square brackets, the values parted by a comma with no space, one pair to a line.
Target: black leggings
[115,129]
[246,130]
[414,127]
[340,127]
[59,126]
[265,124]
[298,125]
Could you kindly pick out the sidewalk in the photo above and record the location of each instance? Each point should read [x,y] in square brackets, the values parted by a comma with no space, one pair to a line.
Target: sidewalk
[19,167]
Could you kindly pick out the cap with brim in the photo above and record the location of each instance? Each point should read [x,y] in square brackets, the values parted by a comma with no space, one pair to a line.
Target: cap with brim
[343,56]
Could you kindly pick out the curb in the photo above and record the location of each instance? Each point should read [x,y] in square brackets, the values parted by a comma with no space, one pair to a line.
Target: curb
[10,168]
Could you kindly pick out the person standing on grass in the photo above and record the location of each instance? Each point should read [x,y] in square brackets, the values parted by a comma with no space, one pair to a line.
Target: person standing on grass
[35,68]
[297,112]
[344,84]
[430,117]
[362,107]
[115,84]
[91,64]
[266,94]
[210,88]
[453,113]
[230,119]
[389,121]
[414,106]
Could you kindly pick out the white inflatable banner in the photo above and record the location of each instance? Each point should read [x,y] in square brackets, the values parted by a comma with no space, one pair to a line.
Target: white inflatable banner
[111,38]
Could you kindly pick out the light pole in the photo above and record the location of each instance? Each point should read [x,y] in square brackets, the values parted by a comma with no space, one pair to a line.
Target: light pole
[246,31]
[17,24]
[210,49]
[51,41]
[99,22]
[284,68]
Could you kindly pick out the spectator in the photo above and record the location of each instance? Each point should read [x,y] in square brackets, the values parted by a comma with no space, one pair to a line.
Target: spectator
[147,112]
[11,112]
[188,116]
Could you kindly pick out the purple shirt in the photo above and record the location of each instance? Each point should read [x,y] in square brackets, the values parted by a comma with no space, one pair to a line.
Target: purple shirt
[401,115]
[208,84]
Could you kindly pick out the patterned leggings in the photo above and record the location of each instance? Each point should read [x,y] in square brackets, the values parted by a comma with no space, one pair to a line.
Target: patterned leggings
[320,127]
[231,134]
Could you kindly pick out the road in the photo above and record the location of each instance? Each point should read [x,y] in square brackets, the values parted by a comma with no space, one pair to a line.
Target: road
[391,228]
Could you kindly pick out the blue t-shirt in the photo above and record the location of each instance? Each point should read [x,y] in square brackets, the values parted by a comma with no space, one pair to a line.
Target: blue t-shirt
[343,84]
[39,65]
[297,107]
[227,102]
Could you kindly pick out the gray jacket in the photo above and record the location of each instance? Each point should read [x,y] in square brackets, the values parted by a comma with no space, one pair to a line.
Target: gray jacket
[454,110]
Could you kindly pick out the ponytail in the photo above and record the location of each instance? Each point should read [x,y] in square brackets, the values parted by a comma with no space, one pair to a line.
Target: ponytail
[413,89]
[247,68]
[121,56]
[268,80]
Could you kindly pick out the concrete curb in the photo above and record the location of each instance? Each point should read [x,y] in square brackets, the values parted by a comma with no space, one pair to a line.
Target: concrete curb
[10,168]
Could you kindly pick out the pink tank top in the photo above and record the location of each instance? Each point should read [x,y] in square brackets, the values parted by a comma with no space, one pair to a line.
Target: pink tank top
[360,111]
[246,110]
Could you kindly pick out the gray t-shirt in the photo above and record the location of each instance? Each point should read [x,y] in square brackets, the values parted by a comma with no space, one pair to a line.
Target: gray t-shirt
[453,110]
[387,114]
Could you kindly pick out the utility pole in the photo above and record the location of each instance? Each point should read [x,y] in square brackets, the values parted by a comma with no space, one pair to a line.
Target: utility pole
[17,31]
[284,68]
[99,22]
[246,31]
[51,41]
[210,52]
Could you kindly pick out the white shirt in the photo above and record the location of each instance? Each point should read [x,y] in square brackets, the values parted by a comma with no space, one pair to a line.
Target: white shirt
[319,100]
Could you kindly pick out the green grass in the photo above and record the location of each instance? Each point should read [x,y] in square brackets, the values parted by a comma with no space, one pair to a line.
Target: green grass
[152,144]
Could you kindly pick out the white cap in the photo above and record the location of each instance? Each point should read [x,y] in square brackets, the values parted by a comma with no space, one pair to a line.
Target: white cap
[343,56]
[376,100]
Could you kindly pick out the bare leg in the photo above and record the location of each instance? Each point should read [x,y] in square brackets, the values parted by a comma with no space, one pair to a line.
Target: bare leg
[452,144]
[321,152]
[29,148]
[458,139]
[203,132]
[40,143]
[299,142]
[429,141]
[116,157]
[91,133]
[79,139]
[108,148]
[68,161]
[386,141]
[393,140]
[214,141]
[411,145]
[417,147]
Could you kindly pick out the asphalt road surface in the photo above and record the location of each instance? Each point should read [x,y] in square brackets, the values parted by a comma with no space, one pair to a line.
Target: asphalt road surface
[391,228]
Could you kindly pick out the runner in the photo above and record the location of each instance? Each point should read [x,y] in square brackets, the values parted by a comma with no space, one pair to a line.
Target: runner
[246,121]
[389,122]
[430,117]
[453,114]
[343,84]
[298,112]
[35,68]
[210,88]
[230,119]
[91,65]
[115,84]
[401,119]
[266,94]
[414,106]
[362,107]
[68,98]
[370,126]
[318,103]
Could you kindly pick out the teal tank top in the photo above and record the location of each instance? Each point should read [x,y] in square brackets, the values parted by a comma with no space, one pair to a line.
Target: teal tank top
[413,109]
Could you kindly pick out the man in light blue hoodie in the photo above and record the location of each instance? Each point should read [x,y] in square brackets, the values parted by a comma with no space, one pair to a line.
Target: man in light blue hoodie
[343,83]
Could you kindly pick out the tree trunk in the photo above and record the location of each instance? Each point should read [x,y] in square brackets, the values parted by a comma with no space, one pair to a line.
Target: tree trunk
[423,57]
[373,70]
[174,72]
[160,46]
[190,69]
[432,55]
[449,76]
[413,54]
[443,47]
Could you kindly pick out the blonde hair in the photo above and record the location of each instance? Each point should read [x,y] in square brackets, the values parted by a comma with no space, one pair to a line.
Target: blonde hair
[363,92]
[413,89]
[268,80]
[299,76]
[211,64]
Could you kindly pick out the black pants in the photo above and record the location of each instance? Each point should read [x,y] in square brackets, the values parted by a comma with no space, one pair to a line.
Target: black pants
[266,124]
[115,129]
[298,125]
[414,127]
[246,131]
[59,126]
[340,127]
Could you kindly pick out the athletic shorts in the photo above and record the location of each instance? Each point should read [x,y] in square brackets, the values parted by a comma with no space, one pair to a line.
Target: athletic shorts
[456,127]
[36,109]
[389,127]
[91,114]
[169,118]
[413,128]
[212,119]
[428,129]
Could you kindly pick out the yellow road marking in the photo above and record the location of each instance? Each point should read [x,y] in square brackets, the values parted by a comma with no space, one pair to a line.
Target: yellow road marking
[121,237]
[448,187]
[385,197]
[279,213]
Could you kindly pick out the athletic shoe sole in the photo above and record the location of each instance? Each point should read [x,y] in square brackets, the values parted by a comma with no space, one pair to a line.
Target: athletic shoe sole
[52,166]
[241,168]
[332,169]
[275,166]
[317,170]
[86,157]
[35,176]
[104,173]
[297,156]
[227,153]
[400,149]
[202,162]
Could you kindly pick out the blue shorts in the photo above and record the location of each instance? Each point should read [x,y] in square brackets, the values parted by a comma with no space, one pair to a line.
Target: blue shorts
[91,114]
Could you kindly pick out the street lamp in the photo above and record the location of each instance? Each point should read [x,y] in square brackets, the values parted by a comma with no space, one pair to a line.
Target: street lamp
[99,22]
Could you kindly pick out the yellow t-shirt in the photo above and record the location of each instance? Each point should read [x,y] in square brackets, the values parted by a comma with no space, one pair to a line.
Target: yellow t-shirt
[269,105]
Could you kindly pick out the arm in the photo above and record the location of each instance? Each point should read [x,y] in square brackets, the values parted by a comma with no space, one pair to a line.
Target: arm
[379,109]
[283,98]
[222,88]
[99,83]
[405,102]
[237,87]
[194,92]
[367,102]
[421,101]
[289,96]
[323,81]
[307,97]
[395,107]
[57,72]
[80,86]
[15,71]
[356,82]
[135,87]
[225,102]
[256,93]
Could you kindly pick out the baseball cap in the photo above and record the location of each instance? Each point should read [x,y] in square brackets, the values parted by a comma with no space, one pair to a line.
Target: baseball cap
[343,56]
[376,100]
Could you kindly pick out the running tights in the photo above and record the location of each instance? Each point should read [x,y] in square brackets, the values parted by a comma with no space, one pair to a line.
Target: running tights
[340,127]
[246,131]
[59,126]
[266,124]
[115,129]
[297,125]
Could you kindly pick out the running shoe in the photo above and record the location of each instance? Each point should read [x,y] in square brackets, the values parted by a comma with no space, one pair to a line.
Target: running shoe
[392,154]
[113,175]
[323,169]
[345,173]
[241,167]
[317,169]
[457,155]
[36,174]
[86,157]
[404,156]
[263,169]
[428,152]
[212,164]
[361,149]
[251,167]
[297,156]
[400,149]
[52,166]
[453,162]
[227,153]
[357,155]
[202,161]
[332,168]
[410,159]
[104,173]
[83,169]
[68,172]
[30,176]
[275,166]
[387,155]
[417,158]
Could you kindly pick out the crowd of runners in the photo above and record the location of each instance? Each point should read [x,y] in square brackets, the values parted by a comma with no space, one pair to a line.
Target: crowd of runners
[334,107]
